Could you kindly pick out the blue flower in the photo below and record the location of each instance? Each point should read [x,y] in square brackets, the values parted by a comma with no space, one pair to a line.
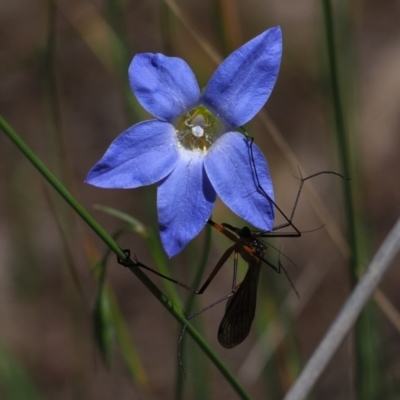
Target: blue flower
[192,149]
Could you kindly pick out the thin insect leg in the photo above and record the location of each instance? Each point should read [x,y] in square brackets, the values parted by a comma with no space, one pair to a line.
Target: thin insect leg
[280,253]
[208,307]
[216,269]
[191,317]
[302,180]
[289,220]
[185,326]
[277,269]
[127,262]
[211,305]
[281,267]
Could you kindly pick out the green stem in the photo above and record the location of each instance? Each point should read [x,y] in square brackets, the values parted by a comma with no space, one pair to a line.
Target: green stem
[342,138]
[369,379]
[110,242]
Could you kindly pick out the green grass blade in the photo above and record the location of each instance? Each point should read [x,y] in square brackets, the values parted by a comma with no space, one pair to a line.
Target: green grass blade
[369,381]
[103,324]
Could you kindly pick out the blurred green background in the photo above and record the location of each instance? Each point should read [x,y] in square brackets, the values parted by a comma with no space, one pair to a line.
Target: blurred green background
[64,89]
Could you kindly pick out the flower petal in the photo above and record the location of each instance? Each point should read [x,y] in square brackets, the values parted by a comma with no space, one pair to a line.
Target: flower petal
[143,154]
[229,166]
[185,200]
[165,86]
[243,82]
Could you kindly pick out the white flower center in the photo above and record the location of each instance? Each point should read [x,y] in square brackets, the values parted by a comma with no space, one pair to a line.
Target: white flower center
[197,131]
[197,125]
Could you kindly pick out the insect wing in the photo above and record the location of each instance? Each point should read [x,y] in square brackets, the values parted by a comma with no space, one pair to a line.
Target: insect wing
[240,310]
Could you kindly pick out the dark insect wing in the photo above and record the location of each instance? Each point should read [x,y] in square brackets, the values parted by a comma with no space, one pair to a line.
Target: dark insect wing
[240,310]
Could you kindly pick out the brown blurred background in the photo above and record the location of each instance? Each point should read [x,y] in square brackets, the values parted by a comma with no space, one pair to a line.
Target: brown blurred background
[63,88]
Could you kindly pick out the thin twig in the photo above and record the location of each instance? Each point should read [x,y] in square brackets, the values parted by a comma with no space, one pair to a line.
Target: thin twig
[347,317]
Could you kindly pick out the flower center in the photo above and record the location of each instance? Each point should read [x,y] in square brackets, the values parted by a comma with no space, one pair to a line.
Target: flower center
[198,129]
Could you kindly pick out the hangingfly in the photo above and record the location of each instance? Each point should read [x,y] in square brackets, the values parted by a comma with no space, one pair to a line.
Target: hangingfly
[240,309]
[241,306]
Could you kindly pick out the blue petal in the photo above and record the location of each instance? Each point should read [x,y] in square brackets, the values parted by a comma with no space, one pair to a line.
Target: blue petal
[144,154]
[243,82]
[229,166]
[165,86]
[185,200]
